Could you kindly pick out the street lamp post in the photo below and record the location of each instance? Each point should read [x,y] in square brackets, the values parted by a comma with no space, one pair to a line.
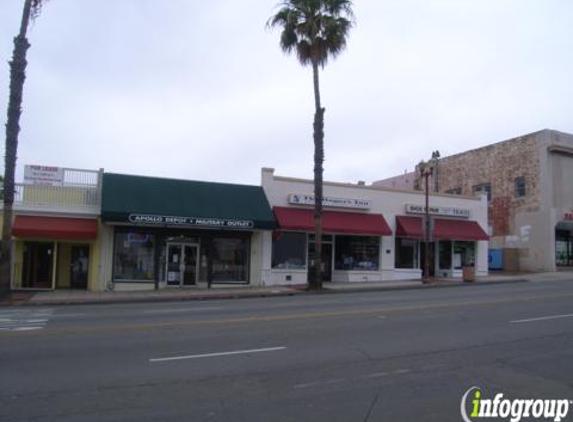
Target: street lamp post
[426,170]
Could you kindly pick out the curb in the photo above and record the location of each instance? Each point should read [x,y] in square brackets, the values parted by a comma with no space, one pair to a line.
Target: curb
[255,295]
[427,286]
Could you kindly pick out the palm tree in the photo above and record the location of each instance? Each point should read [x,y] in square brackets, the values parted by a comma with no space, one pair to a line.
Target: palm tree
[315,30]
[18,64]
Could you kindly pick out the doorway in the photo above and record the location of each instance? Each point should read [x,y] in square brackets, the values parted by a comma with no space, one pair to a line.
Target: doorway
[182,264]
[432,265]
[38,265]
[79,267]
[563,248]
[326,266]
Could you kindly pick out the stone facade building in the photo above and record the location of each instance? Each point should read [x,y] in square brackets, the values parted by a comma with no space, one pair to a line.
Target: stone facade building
[528,182]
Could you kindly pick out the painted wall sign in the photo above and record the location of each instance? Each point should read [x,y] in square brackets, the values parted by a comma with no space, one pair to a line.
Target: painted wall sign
[569,215]
[164,220]
[300,199]
[441,211]
[43,175]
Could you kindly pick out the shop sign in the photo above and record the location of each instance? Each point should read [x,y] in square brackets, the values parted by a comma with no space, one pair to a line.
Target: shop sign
[43,175]
[441,211]
[569,215]
[299,199]
[164,220]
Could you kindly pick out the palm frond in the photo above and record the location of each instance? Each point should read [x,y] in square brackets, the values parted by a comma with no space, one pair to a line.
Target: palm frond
[315,29]
[36,8]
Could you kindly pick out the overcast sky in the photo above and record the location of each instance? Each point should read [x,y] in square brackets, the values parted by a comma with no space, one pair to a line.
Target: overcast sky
[200,89]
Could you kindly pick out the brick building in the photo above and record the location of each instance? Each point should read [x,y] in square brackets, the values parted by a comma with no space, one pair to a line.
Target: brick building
[529,184]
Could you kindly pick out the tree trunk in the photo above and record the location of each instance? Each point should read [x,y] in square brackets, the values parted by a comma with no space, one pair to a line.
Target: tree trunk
[17,77]
[318,135]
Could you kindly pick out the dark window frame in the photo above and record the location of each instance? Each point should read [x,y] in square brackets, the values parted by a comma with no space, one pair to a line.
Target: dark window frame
[520,187]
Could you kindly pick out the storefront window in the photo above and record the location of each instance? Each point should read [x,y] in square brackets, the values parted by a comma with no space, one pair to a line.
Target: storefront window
[406,253]
[230,259]
[356,253]
[133,257]
[464,254]
[289,250]
[445,254]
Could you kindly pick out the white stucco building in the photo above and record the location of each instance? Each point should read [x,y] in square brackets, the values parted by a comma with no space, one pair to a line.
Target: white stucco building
[370,233]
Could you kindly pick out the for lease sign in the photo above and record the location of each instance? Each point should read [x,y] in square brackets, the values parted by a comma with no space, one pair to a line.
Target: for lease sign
[43,175]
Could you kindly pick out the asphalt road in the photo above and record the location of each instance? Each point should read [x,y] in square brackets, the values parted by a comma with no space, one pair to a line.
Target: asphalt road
[380,356]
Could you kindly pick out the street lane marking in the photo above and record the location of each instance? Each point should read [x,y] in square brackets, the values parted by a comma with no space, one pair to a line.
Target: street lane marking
[167,311]
[83,330]
[212,355]
[545,318]
[24,319]
[352,379]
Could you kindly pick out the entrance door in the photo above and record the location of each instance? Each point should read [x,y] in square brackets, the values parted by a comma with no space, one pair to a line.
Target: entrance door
[38,265]
[326,267]
[79,267]
[182,264]
[423,259]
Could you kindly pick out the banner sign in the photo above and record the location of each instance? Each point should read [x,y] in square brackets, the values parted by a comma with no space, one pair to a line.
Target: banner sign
[43,175]
[164,220]
[299,199]
[436,210]
[569,215]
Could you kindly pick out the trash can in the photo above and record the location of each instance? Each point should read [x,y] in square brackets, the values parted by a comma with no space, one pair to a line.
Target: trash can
[469,273]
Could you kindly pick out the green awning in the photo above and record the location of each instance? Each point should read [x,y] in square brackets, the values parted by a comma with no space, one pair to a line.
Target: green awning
[152,201]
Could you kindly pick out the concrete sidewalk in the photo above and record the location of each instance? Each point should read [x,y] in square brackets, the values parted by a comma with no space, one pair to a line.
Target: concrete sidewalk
[73,297]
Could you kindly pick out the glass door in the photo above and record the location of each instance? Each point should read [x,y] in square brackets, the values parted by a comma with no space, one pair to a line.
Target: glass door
[182,264]
[190,264]
[79,267]
[326,265]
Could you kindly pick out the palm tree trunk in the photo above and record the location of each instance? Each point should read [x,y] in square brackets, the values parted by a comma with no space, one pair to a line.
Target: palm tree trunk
[318,135]
[17,77]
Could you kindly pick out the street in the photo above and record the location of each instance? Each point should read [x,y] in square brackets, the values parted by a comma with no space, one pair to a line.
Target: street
[368,356]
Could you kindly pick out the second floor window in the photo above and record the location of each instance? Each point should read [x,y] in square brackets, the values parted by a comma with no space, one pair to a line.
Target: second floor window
[483,188]
[455,191]
[520,190]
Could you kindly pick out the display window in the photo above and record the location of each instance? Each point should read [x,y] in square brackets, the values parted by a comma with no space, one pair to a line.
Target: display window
[360,253]
[289,251]
[406,253]
[134,257]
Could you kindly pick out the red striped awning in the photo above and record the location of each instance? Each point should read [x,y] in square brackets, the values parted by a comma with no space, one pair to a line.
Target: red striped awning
[54,228]
[407,226]
[332,221]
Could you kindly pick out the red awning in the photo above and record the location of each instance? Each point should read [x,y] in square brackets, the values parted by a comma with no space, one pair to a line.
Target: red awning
[407,226]
[332,221]
[54,227]
[458,230]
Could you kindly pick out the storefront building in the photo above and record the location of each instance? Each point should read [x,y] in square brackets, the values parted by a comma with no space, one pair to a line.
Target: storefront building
[160,233]
[55,229]
[370,233]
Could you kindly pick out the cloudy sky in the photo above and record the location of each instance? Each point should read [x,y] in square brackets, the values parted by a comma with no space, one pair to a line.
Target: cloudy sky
[200,89]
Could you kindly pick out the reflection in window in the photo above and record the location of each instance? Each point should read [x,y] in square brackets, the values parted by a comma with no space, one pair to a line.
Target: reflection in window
[289,251]
[445,254]
[406,255]
[230,259]
[464,254]
[133,257]
[357,253]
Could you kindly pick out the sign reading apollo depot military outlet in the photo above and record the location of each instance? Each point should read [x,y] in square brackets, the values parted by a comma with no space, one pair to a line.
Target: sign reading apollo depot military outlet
[164,220]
